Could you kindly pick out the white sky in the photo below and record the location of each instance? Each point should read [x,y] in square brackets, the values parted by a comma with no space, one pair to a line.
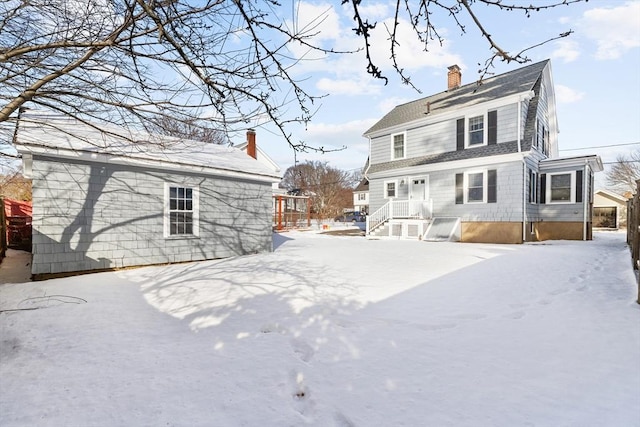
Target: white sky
[333,332]
[596,73]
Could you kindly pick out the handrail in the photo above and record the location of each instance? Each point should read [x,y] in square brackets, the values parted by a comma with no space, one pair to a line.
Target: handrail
[399,209]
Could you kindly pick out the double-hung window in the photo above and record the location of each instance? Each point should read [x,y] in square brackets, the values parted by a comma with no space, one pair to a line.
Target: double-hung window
[362,196]
[476,130]
[181,210]
[562,187]
[390,189]
[477,187]
[398,146]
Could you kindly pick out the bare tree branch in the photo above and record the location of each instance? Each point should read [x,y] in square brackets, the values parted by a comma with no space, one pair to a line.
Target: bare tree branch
[624,173]
[230,64]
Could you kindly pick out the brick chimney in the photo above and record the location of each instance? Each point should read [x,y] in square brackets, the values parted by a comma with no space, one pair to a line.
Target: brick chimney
[251,143]
[454,77]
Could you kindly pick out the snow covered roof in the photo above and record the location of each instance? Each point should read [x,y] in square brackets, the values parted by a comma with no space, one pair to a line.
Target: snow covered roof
[63,137]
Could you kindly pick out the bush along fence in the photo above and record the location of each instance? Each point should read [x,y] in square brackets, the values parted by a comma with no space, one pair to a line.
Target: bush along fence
[633,231]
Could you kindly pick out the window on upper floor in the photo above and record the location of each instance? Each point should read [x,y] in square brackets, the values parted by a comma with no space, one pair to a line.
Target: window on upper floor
[398,146]
[389,189]
[542,137]
[181,211]
[476,130]
[476,187]
[362,196]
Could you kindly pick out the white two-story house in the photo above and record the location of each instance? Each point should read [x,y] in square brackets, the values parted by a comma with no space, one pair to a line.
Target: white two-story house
[479,163]
[361,197]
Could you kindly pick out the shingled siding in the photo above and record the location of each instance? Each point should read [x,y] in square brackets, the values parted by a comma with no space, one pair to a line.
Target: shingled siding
[91,216]
[509,195]
[440,137]
[442,193]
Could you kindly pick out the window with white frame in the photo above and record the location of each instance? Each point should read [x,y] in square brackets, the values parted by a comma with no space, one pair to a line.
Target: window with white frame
[362,196]
[560,187]
[476,130]
[181,210]
[476,187]
[533,187]
[389,189]
[398,148]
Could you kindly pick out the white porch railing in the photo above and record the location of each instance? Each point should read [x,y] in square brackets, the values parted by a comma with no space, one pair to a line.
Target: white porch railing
[397,209]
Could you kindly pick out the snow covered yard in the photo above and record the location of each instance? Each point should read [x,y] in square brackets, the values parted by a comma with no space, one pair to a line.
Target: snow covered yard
[333,331]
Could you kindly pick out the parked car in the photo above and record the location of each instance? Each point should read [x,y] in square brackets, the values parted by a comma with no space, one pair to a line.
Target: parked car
[350,217]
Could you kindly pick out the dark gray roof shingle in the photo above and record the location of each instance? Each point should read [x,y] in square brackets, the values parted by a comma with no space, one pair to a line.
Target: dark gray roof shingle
[513,82]
[470,153]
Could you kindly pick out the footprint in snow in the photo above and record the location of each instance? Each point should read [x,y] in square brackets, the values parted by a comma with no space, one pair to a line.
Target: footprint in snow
[515,315]
[303,350]
[437,327]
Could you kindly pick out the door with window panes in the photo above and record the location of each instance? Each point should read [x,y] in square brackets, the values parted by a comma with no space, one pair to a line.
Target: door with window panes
[418,195]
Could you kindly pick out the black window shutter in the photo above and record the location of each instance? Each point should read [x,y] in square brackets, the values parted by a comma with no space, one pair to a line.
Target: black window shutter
[543,188]
[460,134]
[492,186]
[530,187]
[578,186]
[493,127]
[459,189]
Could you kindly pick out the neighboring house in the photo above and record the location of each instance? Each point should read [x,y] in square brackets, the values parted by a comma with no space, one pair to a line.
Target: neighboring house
[609,210]
[361,197]
[119,199]
[479,163]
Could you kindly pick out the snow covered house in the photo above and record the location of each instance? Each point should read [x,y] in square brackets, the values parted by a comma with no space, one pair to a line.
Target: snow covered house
[479,163]
[113,199]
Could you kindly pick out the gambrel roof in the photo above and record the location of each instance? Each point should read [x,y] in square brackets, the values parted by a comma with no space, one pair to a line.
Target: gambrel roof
[517,81]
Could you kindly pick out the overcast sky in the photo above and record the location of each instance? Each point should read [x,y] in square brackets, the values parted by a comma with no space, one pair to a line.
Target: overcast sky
[596,73]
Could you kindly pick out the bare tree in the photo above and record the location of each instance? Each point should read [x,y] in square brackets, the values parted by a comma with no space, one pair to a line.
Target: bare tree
[15,186]
[189,129]
[624,173]
[330,188]
[135,62]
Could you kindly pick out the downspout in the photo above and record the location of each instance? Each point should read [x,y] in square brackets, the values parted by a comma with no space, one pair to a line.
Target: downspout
[524,200]
[585,201]
[524,174]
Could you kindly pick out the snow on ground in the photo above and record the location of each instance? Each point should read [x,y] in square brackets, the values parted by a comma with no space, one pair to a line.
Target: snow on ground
[333,331]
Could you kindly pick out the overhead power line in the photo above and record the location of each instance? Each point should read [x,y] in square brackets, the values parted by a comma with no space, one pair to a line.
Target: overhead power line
[600,146]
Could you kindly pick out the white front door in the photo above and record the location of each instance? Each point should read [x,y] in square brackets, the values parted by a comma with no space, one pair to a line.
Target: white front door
[418,194]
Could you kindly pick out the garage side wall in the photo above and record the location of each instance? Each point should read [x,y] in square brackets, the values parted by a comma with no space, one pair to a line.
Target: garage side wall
[90,216]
